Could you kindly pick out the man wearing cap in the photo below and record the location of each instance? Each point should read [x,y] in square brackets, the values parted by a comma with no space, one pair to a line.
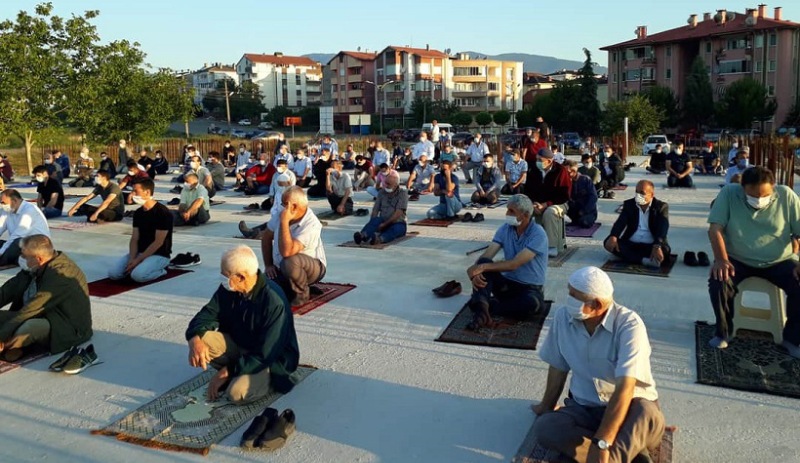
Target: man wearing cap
[711,163]
[639,235]
[679,166]
[475,153]
[514,286]
[611,413]
[550,192]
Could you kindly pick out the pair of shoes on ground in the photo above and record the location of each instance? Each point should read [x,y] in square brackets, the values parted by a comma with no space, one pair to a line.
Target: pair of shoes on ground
[359,238]
[176,189]
[468,217]
[75,360]
[699,260]
[361,212]
[449,289]
[252,207]
[128,214]
[185,259]
[174,202]
[413,196]
[608,194]
[269,431]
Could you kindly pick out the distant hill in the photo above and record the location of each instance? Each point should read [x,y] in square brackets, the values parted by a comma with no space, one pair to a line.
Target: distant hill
[531,63]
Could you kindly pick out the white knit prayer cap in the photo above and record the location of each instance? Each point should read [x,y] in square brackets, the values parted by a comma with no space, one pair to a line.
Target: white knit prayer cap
[593,282]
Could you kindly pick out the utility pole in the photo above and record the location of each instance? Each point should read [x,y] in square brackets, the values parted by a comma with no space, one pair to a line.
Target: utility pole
[228,105]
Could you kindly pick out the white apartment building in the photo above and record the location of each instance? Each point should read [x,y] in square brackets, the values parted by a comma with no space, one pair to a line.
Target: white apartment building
[205,79]
[292,81]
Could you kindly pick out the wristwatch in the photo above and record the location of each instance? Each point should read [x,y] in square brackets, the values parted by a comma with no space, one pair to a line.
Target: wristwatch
[601,444]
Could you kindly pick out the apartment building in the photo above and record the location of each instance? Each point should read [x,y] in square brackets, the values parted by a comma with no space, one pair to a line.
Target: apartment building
[291,81]
[733,45]
[352,85]
[402,73]
[205,79]
[485,85]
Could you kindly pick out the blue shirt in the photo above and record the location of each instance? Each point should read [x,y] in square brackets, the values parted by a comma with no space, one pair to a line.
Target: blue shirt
[440,180]
[516,169]
[534,238]
[380,157]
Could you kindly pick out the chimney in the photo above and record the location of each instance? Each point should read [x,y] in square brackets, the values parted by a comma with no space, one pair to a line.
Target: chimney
[693,21]
[706,16]
[762,11]
[751,13]
[641,32]
[427,47]
[721,17]
[778,15]
[278,54]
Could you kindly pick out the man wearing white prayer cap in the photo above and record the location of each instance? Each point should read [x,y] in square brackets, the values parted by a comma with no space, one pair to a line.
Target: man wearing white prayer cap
[611,413]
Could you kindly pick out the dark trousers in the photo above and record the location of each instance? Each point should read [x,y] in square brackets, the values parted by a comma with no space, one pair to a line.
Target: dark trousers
[675,182]
[297,274]
[334,200]
[635,252]
[507,190]
[509,298]
[657,171]
[578,218]
[490,198]
[108,215]
[318,190]
[202,216]
[781,275]
[304,183]
[11,256]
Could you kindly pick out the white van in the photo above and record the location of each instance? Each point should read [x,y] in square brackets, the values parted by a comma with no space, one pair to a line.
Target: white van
[442,125]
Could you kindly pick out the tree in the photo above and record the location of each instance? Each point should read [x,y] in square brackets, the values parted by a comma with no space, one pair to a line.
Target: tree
[698,100]
[644,118]
[247,101]
[483,118]
[526,117]
[423,110]
[793,118]
[744,102]
[585,115]
[664,99]
[501,117]
[276,115]
[461,119]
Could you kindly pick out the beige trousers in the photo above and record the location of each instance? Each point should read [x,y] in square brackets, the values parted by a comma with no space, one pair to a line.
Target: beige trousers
[243,388]
[552,220]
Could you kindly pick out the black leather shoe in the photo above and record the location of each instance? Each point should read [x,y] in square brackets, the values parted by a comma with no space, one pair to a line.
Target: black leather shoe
[258,426]
[478,217]
[690,259]
[275,436]
[702,259]
[467,217]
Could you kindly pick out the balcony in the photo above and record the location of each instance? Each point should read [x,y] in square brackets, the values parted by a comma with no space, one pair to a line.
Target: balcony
[649,61]
[355,78]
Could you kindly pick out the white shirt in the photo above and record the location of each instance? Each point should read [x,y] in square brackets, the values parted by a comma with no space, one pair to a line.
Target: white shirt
[618,348]
[27,221]
[476,152]
[732,155]
[423,147]
[381,156]
[242,159]
[435,134]
[642,234]
[340,183]
[274,185]
[308,231]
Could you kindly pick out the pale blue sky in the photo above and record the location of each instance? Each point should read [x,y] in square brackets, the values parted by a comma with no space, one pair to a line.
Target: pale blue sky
[184,34]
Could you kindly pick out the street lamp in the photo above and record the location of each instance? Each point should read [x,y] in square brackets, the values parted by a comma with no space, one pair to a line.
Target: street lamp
[381,88]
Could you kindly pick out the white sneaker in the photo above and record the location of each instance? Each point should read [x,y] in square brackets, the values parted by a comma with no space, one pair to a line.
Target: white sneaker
[552,252]
[718,342]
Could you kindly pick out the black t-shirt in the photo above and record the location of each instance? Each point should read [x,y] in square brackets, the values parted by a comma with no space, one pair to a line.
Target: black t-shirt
[112,188]
[47,189]
[157,218]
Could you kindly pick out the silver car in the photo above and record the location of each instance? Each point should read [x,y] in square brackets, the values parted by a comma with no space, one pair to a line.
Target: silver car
[653,140]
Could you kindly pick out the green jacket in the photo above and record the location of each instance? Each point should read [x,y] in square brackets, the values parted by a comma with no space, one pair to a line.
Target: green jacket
[62,298]
[262,325]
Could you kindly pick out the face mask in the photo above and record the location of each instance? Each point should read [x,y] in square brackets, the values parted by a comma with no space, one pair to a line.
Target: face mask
[131,173]
[281,170]
[511,220]
[588,165]
[103,157]
[48,161]
[122,145]
[575,308]
[758,203]
[5,207]
[540,165]
[678,152]
[263,163]
[138,200]
[241,150]
[23,264]
[301,156]
[39,179]
[195,165]
[743,163]
[251,161]
[189,185]
[227,145]
[226,283]
[487,165]
[641,199]
[158,156]
[389,190]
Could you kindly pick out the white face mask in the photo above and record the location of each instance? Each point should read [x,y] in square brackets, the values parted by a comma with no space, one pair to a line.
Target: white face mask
[389,190]
[189,185]
[23,264]
[131,173]
[138,200]
[678,152]
[263,163]
[511,220]
[48,161]
[588,165]
[281,170]
[226,283]
[195,165]
[241,150]
[758,203]
[39,179]
[641,199]
[575,308]
[487,165]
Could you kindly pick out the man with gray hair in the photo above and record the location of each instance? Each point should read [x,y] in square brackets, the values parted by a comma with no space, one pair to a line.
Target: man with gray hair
[388,219]
[513,287]
[292,247]
[49,301]
[611,413]
[246,332]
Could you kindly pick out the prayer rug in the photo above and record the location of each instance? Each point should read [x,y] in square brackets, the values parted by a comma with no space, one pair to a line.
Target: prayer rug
[499,203]
[72,196]
[240,237]
[435,222]
[366,245]
[330,291]
[213,202]
[667,187]
[5,367]
[752,362]
[531,452]
[19,185]
[578,232]
[252,212]
[620,266]
[108,287]
[562,257]
[77,223]
[620,187]
[330,215]
[507,332]
[182,420]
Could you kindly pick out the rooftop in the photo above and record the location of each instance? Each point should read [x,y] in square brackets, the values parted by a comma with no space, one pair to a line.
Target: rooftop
[279,59]
[424,52]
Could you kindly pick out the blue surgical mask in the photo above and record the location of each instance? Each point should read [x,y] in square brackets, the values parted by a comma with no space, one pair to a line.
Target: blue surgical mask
[540,165]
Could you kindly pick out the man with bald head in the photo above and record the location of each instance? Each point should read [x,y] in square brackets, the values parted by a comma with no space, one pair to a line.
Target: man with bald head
[292,246]
[388,220]
[639,235]
[611,413]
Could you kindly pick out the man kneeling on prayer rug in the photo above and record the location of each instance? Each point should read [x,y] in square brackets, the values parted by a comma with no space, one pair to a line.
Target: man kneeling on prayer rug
[49,301]
[388,220]
[513,287]
[611,413]
[292,247]
[246,332]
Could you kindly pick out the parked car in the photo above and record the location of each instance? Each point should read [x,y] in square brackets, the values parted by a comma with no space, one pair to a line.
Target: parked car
[461,138]
[571,140]
[790,131]
[653,140]
[511,139]
[411,134]
[694,146]
[238,133]
[395,134]
[244,122]
[266,136]
[715,135]
[265,125]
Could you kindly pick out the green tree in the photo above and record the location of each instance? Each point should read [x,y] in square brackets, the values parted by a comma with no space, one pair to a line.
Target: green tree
[501,117]
[247,101]
[483,118]
[664,99]
[698,100]
[423,110]
[744,102]
[276,115]
[461,118]
[526,117]
[585,114]
[644,118]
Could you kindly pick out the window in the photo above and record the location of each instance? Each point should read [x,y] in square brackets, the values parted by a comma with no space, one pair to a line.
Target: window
[468,71]
[341,72]
[342,87]
[773,40]
[638,74]
[668,74]
[466,102]
[355,71]
[492,101]
[398,87]
[639,53]
[773,65]
[757,67]
[669,50]
[738,43]
[614,79]
[614,57]
[424,68]
[759,42]
[493,86]
[734,67]
[397,103]
[355,101]
[770,90]
[356,86]
[708,47]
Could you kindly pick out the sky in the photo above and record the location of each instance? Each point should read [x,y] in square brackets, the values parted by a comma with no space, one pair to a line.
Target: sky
[186,34]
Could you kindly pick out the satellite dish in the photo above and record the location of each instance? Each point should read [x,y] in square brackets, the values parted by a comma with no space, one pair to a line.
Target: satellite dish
[731,16]
[750,21]
[717,18]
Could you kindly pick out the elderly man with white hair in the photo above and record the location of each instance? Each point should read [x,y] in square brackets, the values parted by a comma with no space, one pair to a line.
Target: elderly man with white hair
[512,287]
[292,247]
[246,332]
[388,220]
[611,413]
